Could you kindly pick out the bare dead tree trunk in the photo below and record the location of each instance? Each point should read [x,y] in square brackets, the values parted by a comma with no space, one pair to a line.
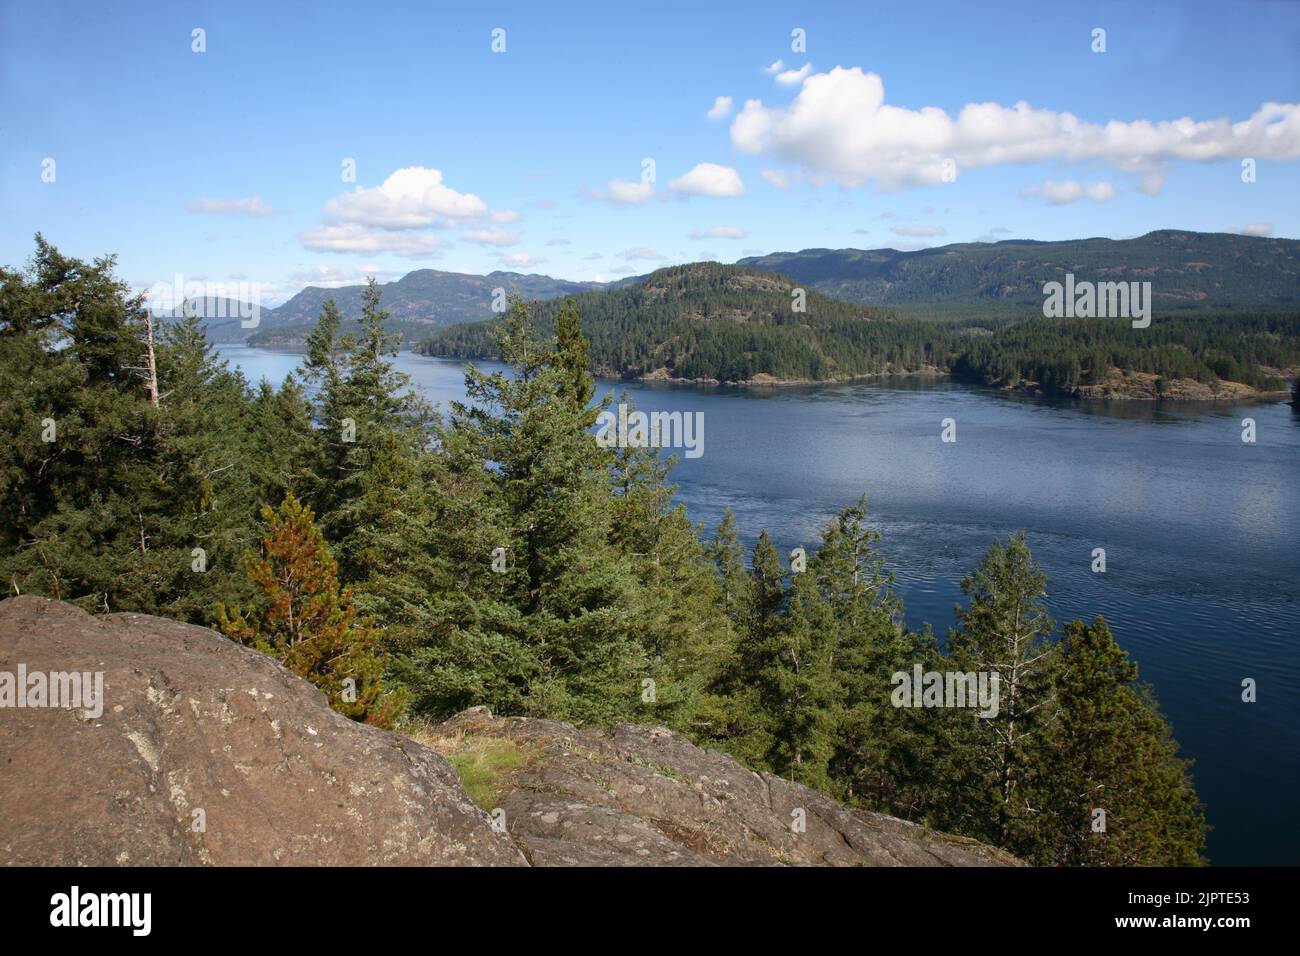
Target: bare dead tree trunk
[150,363]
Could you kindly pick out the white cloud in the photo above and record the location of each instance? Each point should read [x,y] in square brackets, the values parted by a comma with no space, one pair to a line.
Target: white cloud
[721,107]
[778,178]
[410,198]
[709,179]
[522,260]
[919,232]
[351,237]
[719,232]
[839,127]
[1060,192]
[504,215]
[492,237]
[1152,183]
[794,77]
[246,206]
[775,68]
[1255,229]
[642,252]
[622,193]
[328,277]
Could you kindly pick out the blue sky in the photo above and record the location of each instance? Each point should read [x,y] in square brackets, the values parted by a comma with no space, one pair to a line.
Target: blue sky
[227,164]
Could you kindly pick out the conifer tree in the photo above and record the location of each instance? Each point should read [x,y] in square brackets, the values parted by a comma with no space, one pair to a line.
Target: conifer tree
[1004,632]
[126,489]
[303,619]
[576,384]
[870,644]
[729,560]
[798,683]
[571,638]
[1111,785]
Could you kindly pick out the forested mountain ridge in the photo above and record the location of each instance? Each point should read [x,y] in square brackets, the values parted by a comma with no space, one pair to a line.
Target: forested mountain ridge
[419,301]
[1187,270]
[708,321]
[711,322]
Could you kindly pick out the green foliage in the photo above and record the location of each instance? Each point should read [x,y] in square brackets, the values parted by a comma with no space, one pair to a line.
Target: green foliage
[1187,270]
[302,618]
[1108,749]
[500,555]
[107,495]
[731,324]
[1061,354]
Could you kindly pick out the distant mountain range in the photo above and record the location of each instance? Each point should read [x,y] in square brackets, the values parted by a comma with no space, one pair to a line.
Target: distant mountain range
[712,323]
[419,302]
[1187,270]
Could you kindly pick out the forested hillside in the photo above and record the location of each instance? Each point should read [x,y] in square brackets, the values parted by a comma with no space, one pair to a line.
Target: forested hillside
[412,566]
[732,324]
[1187,271]
[712,321]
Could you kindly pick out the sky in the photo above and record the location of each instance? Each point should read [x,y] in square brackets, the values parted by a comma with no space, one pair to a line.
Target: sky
[317,143]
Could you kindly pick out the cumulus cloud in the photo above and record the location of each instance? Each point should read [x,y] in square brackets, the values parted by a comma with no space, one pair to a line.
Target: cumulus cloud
[246,206]
[719,232]
[721,107]
[1254,229]
[410,198]
[1060,192]
[491,237]
[840,127]
[352,237]
[397,216]
[775,68]
[622,193]
[920,232]
[709,179]
[794,77]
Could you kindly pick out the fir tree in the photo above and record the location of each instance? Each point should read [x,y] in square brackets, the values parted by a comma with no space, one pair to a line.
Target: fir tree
[1112,785]
[1004,632]
[303,619]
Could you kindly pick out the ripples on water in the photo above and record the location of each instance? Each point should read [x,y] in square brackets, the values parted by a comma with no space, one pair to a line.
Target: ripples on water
[1201,535]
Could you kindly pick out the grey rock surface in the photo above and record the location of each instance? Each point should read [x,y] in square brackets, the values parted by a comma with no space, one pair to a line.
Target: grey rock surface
[644,796]
[192,721]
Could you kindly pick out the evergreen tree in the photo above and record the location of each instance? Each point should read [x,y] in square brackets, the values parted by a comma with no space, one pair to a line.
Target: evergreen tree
[124,485]
[576,383]
[1004,633]
[729,559]
[575,647]
[798,684]
[873,738]
[304,620]
[1109,752]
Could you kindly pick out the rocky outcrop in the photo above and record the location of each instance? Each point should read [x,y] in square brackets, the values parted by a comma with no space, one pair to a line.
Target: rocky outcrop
[201,751]
[208,753]
[643,796]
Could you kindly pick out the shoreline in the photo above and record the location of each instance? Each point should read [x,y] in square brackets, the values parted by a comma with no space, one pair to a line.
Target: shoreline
[1125,387]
